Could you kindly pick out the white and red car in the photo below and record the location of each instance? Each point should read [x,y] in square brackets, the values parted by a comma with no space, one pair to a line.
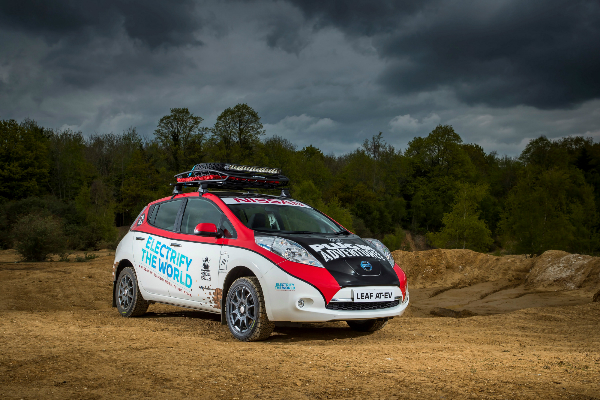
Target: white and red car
[256,259]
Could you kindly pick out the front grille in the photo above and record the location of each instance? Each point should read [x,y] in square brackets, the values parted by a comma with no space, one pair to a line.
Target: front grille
[352,306]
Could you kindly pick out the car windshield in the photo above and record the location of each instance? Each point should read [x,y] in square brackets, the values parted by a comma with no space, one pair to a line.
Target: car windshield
[279,218]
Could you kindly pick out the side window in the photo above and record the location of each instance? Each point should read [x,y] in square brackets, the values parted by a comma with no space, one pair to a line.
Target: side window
[164,215]
[203,211]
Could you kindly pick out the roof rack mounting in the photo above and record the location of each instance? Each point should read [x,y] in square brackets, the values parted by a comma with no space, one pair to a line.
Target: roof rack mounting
[202,188]
[229,176]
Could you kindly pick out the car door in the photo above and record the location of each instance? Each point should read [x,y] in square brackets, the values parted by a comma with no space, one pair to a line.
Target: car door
[152,252]
[203,253]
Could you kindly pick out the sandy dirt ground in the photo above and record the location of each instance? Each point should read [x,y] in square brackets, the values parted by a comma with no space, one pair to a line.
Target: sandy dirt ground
[520,338]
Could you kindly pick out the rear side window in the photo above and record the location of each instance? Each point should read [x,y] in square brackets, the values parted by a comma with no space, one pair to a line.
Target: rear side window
[139,220]
[164,215]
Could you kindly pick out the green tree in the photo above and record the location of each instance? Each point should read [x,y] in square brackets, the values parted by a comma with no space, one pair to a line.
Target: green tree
[142,183]
[69,169]
[308,193]
[97,209]
[111,155]
[237,131]
[23,160]
[440,153]
[462,226]
[550,210]
[339,213]
[180,134]
[435,164]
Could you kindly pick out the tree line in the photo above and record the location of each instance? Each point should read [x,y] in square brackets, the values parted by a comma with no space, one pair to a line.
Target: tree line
[455,193]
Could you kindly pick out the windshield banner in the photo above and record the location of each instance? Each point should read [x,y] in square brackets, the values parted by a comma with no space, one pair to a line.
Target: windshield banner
[259,200]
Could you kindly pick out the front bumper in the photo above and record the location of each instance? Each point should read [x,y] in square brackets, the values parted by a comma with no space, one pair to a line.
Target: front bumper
[283,293]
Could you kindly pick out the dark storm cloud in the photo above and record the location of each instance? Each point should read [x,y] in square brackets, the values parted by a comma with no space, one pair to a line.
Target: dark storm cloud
[362,17]
[502,54]
[153,23]
[285,34]
[327,73]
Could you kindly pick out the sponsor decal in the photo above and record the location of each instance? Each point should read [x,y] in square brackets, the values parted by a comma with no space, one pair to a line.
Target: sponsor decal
[141,220]
[166,280]
[205,271]
[285,286]
[224,260]
[366,265]
[251,200]
[170,264]
[333,251]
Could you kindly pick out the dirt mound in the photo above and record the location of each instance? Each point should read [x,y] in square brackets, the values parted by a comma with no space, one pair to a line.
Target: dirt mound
[559,270]
[553,270]
[456,268]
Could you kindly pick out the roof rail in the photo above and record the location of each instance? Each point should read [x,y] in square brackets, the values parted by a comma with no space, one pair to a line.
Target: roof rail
[229,176]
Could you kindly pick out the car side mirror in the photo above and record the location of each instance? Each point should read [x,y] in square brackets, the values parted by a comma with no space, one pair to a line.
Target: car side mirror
[207,229]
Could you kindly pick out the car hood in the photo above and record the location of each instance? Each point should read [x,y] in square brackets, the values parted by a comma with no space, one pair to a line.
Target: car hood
[350,260]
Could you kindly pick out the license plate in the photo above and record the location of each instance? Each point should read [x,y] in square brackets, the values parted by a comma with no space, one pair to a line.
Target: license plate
[373,295]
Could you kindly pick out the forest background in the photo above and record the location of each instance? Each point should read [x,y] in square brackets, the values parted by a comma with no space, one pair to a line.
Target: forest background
[61,190]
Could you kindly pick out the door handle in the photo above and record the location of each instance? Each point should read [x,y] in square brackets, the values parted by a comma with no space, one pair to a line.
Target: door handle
[139,238]
[175,245]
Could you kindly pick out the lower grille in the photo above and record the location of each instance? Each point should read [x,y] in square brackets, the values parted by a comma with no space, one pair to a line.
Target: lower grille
[353,306]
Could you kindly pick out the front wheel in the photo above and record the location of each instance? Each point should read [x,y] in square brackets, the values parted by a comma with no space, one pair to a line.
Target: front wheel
[367,325]
[130,302]
[245,311]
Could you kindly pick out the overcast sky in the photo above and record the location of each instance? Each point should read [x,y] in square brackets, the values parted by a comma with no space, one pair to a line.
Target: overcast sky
[326,73]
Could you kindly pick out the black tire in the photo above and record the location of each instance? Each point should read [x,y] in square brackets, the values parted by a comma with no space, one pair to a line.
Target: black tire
[130,302]
[367,325]
[245,311]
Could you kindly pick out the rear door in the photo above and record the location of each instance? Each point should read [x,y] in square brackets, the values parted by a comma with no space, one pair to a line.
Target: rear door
[150,250]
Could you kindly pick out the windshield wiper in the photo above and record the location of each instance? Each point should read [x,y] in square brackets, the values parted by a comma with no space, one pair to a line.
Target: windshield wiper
[342,233]
[301,232]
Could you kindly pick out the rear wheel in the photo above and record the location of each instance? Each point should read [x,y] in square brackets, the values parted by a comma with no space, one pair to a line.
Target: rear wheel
[367,325]
[245,311]
[130,302]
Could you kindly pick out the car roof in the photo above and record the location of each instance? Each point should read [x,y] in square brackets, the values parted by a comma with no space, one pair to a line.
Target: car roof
[223,194]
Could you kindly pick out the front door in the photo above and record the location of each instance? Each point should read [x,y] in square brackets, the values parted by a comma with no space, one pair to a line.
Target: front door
[203,254]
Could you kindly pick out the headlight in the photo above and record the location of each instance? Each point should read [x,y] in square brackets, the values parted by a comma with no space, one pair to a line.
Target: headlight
[287,249]
[380,247]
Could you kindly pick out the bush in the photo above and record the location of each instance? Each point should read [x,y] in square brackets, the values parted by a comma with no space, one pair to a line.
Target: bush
[393,241]
[38,236]
[86,257]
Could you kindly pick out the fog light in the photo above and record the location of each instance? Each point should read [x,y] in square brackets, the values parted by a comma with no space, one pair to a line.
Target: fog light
[300,303]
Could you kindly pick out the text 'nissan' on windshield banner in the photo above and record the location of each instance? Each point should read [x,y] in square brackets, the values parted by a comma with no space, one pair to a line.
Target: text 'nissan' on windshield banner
[277,202]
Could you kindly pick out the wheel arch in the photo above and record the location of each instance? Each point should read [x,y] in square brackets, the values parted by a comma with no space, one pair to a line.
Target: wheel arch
[234,274]
[117,270]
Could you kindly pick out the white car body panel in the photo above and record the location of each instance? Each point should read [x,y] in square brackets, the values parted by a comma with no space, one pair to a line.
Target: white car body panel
[281,290]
